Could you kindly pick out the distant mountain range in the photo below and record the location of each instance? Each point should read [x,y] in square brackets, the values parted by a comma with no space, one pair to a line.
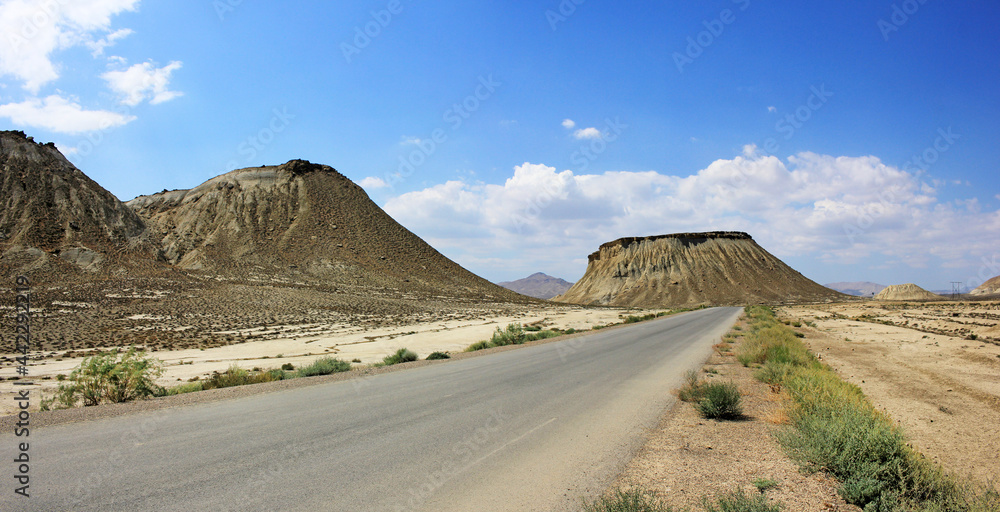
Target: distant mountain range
[860,288]
[538,285]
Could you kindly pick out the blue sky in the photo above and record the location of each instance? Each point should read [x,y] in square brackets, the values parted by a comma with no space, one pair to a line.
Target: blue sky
[857,140]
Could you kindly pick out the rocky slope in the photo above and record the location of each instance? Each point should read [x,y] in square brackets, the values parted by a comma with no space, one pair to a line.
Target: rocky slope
[907,291]
[538,285]
[715,268]
[56,221]
[990,287]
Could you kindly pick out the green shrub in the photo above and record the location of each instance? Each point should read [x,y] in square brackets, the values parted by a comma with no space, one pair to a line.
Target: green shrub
[438,355]
[110,377]
[738,501]
[236,376]
[721,401]
[513,334]
[633,500]
[532,328]
[288,367]
[570,331]
[402,355]
[479,345]
[324,366]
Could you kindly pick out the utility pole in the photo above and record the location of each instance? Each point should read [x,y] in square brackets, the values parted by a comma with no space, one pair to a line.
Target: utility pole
[956,289]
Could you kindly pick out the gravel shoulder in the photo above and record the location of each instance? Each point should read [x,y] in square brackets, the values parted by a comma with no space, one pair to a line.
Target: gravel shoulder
[687,457]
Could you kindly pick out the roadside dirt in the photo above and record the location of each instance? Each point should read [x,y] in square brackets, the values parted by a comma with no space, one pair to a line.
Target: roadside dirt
[689,457]
[944,390]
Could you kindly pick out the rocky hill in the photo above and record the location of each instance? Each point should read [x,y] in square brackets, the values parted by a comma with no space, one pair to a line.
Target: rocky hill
[257,253]
[715,268]
[538,285]
[858,289]
[56,221]
[990,287]
[907,291]
[303,221]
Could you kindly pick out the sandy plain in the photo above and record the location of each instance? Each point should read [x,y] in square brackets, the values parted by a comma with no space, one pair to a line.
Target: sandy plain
[303,343]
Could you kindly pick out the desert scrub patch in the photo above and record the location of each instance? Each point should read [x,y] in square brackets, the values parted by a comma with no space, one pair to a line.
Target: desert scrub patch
[323,366]
[189,387]
[236,376]
[835,429]
[479,345]
[630,500]
[403,355]
[693,388]
[438,355]
[109,377]
[739,501]
[721,400]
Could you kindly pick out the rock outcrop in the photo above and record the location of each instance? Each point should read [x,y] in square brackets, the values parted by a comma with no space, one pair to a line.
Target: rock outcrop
[714,268]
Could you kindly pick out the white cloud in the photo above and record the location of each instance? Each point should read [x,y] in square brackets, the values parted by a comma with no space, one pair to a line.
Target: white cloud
[410,141]
[143,81]
[569,124]
[373,182]
[35,29]
[772,109]
[587,133]
[97,47]
[61,115]
[839,210]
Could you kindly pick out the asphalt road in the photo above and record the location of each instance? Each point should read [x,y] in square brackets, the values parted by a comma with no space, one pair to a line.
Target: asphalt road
[536,428]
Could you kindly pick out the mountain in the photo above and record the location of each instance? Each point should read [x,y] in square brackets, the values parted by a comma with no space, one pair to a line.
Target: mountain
[859,289]
[56,221]
[990,287]
[301,221]
[715,268]
[907,291]
[538,285]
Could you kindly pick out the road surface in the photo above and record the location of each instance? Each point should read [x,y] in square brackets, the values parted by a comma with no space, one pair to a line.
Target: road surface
[537,428]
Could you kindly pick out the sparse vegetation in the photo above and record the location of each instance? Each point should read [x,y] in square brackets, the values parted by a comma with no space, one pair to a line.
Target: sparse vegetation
[739,501]
[323,366]
[109,377]
[763,484]
[403,355]
[236,376]
[721,401]
[835,429]
[693,389]
[631,500]
[438,355]
[513,334]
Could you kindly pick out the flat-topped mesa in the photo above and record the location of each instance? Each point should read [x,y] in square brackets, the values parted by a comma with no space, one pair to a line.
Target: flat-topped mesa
[685,269]
[685,238]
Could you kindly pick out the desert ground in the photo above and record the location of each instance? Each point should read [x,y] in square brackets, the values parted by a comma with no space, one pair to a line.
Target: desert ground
[298,344]
[920,363]
[944,390]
